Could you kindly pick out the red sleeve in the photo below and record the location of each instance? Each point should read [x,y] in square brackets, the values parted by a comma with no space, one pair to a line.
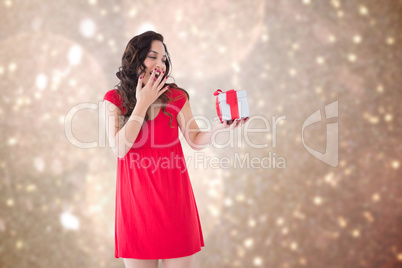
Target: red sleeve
[180,97]
[115,98]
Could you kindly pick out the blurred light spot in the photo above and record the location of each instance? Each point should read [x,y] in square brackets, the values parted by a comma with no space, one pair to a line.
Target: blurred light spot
[8,3]
[31,188]
[292,72]
[248,242]
[11,141]
[395,164]
[376,197]
[302,261]
[228,202]
[342,222]
[132,12]
[75,55]
[222,49]
[92,2]
[87,28]
[356,233]
[380,88]
[388,117]
[1,70]
[320,60]
[363,10]
[335,3]
[264,37]
[10,202]
[340,13]
[368,216]
[39,164]
[240,197]
[99,37]
[285,231]
[357,39]
[390,41]
[306,2]
[331,38]
[352,57]
[400,257]
[257,261]
[69,221]
[293,246]
[295,46]
[41,81]
[279,221]
[317,200]
[111,42]
[103,12]
[251,223]
[12,67]
[19,244]
[236,67]
[72,82]
[116,8]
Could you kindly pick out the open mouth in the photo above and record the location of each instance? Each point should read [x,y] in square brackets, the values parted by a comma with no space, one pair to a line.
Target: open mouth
[156,74]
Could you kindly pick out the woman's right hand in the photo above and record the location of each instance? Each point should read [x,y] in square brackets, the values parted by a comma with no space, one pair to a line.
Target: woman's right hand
[152,90]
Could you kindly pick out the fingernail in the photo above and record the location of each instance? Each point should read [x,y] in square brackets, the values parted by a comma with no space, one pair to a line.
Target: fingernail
[163,71]
[140,77]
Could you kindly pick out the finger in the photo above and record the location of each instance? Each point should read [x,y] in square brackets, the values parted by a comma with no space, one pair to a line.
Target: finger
[152,78]
[158,85]
[163,90]
[161,82]
[139,83]
[233,125]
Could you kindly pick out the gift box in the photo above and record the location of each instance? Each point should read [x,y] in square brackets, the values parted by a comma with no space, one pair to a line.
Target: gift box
[231,104]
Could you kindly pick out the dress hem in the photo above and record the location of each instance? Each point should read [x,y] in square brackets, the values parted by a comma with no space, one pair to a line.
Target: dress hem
[160,258]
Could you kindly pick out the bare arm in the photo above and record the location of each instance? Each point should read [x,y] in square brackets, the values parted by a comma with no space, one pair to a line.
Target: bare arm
[196,138]
[121,138]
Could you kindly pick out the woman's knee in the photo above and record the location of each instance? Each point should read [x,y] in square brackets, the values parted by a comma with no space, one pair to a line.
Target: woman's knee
[183,262]
[138,263]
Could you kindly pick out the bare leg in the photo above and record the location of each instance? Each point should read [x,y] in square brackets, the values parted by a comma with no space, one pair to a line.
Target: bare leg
[184,262]
[137,263]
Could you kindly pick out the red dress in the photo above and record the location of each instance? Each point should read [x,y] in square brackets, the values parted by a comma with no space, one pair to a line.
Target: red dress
[156,215]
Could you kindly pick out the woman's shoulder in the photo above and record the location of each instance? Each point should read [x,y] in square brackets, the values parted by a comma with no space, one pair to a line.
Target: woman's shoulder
[114,97]
[176,92]
[177,96]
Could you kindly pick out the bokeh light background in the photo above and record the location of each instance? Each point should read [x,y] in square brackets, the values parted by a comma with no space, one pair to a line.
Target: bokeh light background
[293,58]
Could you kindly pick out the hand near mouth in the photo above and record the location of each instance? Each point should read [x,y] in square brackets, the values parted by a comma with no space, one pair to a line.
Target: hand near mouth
[152,90]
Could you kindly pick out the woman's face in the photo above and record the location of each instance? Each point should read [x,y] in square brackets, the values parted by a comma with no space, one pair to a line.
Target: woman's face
[156,58]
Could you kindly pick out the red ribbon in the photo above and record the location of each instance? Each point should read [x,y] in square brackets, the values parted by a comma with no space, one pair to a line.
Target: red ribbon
[216,93]
[231,99]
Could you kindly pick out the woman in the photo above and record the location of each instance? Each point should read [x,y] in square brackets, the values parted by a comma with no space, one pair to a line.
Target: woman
[156,212]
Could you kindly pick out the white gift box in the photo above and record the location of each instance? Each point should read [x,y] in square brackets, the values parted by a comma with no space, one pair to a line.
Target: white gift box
[231,104]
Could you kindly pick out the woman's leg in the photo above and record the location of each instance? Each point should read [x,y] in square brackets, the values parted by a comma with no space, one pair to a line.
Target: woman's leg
[137,263]
[184,262]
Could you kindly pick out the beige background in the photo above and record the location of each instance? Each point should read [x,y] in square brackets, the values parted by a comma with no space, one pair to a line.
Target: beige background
[293,58]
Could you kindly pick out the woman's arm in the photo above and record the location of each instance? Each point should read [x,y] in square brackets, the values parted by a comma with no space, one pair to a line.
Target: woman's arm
[120,138]
[196,138]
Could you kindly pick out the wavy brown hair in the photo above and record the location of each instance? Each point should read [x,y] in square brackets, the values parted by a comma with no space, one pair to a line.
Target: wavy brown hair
[133,60]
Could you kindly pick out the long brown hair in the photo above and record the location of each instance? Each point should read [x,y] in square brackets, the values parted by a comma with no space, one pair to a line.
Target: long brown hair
[133,60]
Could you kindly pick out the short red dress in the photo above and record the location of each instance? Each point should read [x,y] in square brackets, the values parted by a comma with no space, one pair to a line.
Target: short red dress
[156,215]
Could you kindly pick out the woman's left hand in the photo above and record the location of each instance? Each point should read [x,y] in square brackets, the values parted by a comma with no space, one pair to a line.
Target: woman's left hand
[236,123]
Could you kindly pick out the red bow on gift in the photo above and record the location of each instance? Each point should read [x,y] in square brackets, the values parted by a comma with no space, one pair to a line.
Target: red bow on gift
[231,99]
